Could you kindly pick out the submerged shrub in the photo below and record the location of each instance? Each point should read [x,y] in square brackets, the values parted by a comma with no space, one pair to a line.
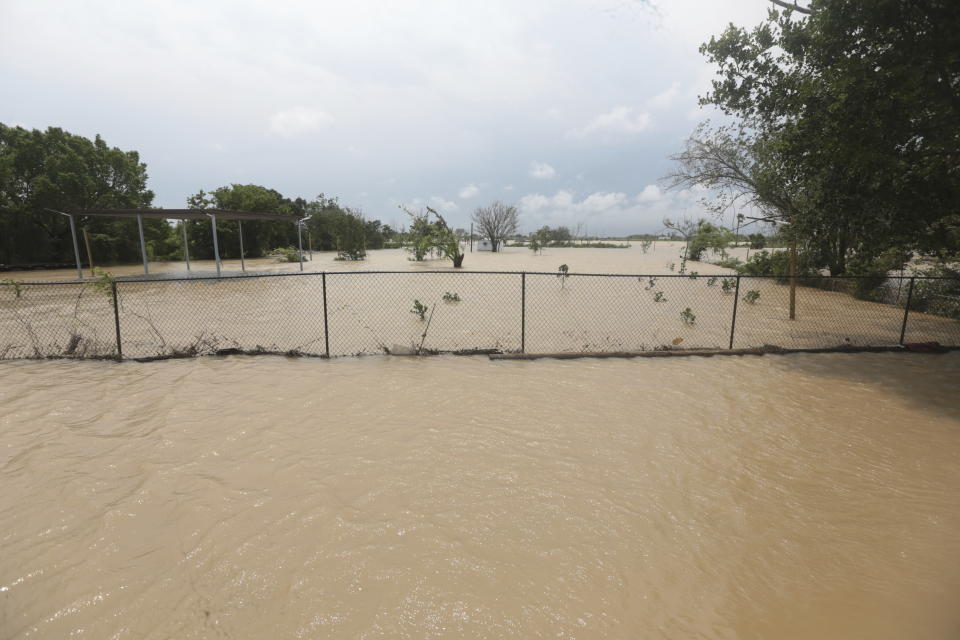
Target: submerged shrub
[419,309]
[729,263]
[563,272]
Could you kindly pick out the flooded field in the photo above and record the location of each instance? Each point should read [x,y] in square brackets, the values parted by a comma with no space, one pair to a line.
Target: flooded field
[630,260]
[352,312]
[802,496]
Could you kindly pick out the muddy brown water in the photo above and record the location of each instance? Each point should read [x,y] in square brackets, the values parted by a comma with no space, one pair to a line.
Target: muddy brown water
[801,496]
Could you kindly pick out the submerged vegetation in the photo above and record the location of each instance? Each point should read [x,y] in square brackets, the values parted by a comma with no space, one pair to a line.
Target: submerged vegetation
[419,309]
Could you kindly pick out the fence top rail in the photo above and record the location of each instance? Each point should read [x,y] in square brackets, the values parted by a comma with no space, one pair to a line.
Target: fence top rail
[245,276]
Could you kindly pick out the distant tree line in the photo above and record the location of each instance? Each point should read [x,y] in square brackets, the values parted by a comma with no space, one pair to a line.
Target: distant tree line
[56,170]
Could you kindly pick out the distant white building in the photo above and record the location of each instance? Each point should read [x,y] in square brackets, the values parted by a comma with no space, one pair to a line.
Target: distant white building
[484,244]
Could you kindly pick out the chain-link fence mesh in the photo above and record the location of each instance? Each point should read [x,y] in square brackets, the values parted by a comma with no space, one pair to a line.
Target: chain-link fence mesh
[415,312]
[376,312]
[625,313]
[69,320]
[282,314]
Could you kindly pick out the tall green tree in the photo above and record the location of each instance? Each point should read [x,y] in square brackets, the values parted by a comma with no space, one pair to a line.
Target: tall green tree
[58,170]
[856,108]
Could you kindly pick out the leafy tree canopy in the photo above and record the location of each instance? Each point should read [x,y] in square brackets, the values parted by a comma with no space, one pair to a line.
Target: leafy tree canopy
[58,170]
[854,109]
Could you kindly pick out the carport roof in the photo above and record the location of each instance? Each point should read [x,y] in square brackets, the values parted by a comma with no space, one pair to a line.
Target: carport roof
[182,214]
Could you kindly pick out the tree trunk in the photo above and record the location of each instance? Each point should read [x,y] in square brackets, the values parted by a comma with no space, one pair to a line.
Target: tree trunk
[458,261]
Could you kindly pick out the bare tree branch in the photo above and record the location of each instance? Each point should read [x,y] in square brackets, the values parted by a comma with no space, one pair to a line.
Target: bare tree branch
[496,222]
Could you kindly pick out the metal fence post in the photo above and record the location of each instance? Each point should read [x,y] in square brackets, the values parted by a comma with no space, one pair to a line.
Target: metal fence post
[326,325]
[116,320]
[733,323]
[906,311]
[523,312]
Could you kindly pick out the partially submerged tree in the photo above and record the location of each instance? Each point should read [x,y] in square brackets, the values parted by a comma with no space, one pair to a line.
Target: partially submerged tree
[496,221]
[426,237]
[698,237]
[420,235]
[447,241]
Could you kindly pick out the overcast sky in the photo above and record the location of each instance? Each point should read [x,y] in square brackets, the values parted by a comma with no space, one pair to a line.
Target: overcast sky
[567,109]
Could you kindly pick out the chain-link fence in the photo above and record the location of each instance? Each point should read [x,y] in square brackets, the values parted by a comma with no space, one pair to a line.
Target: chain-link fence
[366,312]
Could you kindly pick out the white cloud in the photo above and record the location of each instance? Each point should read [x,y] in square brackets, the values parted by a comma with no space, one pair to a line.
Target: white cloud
[469,191]
[542,171]
[564,200]
[608,211]
[616,123]
[665,99]
[298,120]
[443,204]
[650,193]
[602,201]
[533,202]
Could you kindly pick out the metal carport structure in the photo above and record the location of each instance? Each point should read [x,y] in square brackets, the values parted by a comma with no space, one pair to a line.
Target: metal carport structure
[180,214]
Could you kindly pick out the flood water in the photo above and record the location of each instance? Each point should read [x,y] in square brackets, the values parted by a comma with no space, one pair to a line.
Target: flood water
[801,496]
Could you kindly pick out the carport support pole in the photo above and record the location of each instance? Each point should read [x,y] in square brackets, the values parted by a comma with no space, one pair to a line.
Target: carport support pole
[86,241]
[186,247]
[143,245]
[216,245]
[243,265]
[76,249]
[300,243]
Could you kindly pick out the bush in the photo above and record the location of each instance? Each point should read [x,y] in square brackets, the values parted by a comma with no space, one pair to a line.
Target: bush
[752,296]
[351,238]
[286,254]
[940,297]
[729,263]
[874,273]
[766,263]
